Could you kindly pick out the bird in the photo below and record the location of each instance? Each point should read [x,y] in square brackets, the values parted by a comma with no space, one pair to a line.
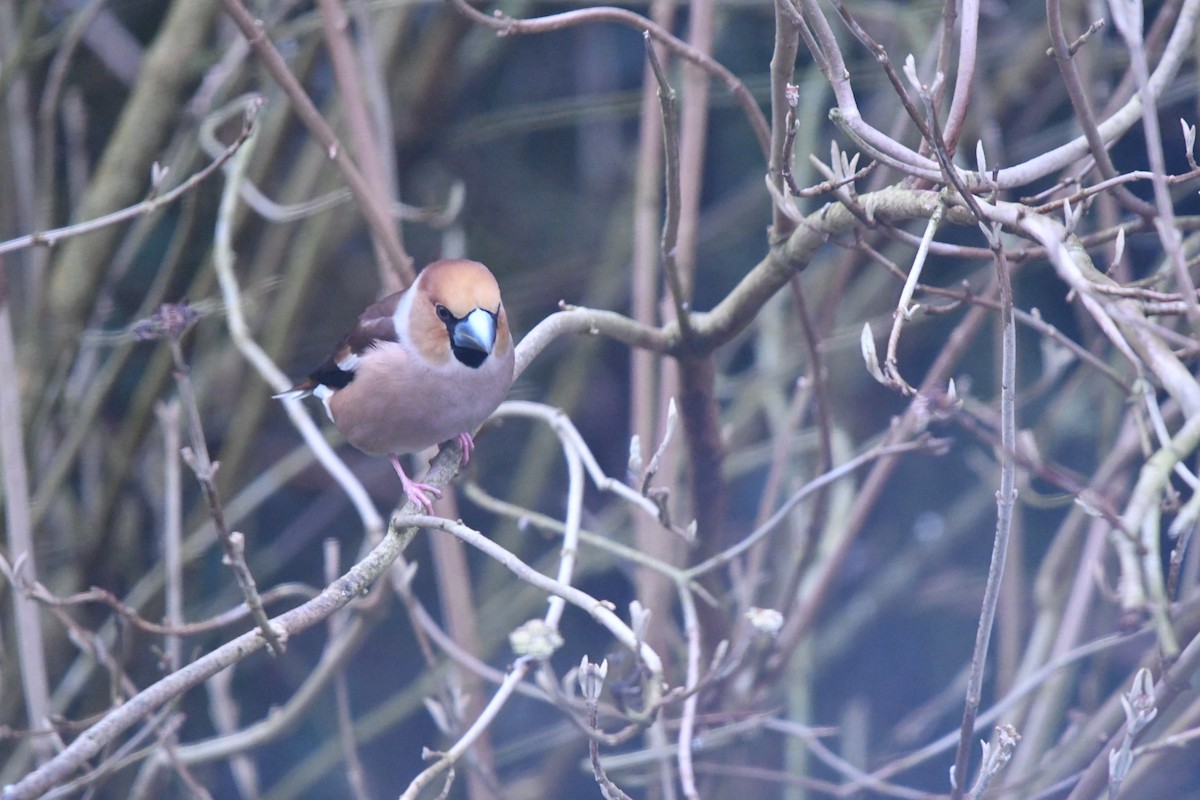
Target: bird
[422,366]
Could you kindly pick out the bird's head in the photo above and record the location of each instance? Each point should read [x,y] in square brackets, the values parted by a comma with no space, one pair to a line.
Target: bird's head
[457,312]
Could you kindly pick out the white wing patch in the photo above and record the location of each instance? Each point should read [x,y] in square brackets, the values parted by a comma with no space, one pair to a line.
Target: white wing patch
[324,392]
[403,309]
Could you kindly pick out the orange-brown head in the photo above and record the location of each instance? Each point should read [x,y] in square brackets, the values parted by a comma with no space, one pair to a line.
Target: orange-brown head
[455,311]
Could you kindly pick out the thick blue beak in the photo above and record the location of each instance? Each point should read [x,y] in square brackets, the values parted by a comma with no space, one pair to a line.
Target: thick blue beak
[476,331]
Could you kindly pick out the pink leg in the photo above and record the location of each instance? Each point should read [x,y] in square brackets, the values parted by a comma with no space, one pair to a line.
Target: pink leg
[417,492]
[467,444]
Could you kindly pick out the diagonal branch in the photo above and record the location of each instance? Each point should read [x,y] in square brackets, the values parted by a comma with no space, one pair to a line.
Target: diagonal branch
[376,213]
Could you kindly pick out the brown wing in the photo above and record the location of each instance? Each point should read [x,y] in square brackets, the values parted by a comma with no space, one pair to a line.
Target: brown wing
[374,325]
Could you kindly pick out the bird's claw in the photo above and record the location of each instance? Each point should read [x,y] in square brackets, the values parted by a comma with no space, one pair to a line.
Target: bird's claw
[467,445]
[419,494]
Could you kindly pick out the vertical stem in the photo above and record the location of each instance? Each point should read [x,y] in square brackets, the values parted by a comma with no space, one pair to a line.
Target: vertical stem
[693,136]
[1005,500]
[198,459]
[355,774]
[649,379]
[348,70]
[21,148]
[457,597]
[697,372]
[147,118]
[168,418]
[701,423]
[669,242]
[783,64]
[378,216]
[31,654]
[964,78]
[687,722]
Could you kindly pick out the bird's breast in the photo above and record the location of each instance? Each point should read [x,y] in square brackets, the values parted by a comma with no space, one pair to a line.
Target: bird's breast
[399,403]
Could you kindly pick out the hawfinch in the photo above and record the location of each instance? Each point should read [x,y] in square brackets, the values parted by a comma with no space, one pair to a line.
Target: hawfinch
[422,366]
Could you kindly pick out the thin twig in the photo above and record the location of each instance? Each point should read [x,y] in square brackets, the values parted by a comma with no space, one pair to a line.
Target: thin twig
[150,205]
[31,654]
[597,610]
[355,774]
[1127,16]
[239,333]
[591,682]
[1006,498]
[283,720]
[368,148]
[1074,84]
[275,211]
[904,309]
[504,25]
[598,541]
[1018,693]
[784,99]
[168,418]
[964,71]
[226,715]
[234,615]
[164,721]
[446,760]
[375,213]
[687,720]
[88,744]
[671,179]
[232,542]
[562,592]
[894,154]
[562,425]
[835,474]
[1174,680]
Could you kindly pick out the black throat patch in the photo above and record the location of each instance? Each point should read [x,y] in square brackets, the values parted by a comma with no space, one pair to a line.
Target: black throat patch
[470,356]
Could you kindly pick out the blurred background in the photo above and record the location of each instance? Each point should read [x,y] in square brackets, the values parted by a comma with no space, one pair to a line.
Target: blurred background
[540,155]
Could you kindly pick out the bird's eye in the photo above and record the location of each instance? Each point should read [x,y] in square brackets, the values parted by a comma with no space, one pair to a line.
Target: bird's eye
[444,314]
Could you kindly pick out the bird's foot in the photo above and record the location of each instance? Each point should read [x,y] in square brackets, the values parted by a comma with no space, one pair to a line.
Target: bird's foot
[419,493]
[467,445]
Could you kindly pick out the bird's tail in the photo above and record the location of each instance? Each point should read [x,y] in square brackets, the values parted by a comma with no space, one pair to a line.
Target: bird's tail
[301,390]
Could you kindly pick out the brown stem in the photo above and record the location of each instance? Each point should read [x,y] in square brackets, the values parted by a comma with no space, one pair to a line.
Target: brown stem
[377,214]
[232,542]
